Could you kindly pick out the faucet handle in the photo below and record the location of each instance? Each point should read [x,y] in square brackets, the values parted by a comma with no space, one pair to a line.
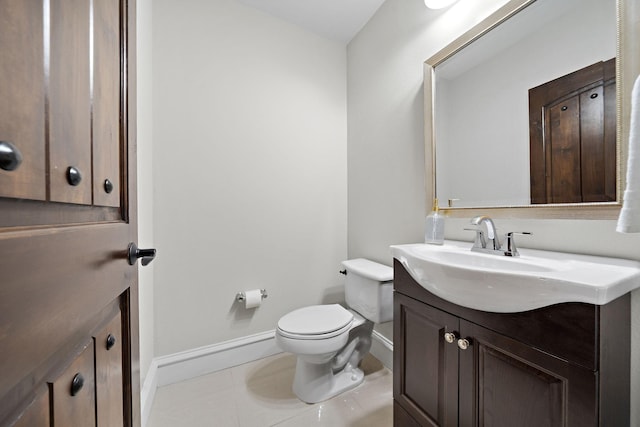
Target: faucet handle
[480,241]
[510,242]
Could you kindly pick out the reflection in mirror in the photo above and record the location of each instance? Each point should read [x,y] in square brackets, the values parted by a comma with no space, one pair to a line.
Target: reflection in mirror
[572,137]
[481,116]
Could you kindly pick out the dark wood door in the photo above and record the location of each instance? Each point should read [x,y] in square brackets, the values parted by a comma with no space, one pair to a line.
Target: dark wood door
[425,365]
[505,383]
[573,137]
[67,100]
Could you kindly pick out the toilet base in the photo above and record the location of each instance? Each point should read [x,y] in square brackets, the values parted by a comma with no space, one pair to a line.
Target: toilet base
[315,383]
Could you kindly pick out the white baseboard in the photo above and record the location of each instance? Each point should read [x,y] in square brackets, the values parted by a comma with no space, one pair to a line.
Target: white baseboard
[189,364]
[382,349]
[205,360]
[148,392]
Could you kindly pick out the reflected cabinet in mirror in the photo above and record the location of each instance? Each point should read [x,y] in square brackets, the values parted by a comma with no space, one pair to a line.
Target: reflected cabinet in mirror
[527,115]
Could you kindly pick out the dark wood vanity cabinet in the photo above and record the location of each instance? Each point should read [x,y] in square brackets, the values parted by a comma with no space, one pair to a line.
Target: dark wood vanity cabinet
[564,365]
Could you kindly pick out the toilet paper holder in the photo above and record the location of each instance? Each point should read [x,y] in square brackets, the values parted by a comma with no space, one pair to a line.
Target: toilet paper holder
[240,296]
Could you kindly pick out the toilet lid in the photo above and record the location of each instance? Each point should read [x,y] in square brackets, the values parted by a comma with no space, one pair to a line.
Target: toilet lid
[315,320]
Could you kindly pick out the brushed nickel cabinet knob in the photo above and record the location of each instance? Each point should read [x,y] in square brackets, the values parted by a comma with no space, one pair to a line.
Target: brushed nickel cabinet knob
[463,343]
[450,337]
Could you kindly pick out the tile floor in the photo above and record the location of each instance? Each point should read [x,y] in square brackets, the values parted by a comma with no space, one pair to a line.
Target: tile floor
[258,394]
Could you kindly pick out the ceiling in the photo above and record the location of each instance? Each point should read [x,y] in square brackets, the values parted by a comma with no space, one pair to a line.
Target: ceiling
[338,20]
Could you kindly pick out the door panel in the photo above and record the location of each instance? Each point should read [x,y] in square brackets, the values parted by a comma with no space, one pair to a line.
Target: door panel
[108,348]
[430,392]
[55,294]
[37,415]
[69,101]
[106,103]
[563,184]
[72,394]
[22,101]
[591,144]
[401,418]
[505,383]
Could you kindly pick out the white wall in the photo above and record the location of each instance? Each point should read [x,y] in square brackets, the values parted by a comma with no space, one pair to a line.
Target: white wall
[145,180]
[385,119]
[385,161]
[249,157]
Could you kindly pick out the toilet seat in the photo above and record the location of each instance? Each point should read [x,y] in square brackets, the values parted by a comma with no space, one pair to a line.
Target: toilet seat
[316,322]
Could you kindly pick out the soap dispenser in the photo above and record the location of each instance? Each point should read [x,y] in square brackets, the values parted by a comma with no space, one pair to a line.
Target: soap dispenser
[434,226]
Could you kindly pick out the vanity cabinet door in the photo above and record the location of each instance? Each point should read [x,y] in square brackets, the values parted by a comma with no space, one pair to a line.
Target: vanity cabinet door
[506,383]
[425,365]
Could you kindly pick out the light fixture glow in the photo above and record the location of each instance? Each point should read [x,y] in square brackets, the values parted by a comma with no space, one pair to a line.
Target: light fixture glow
[438,4]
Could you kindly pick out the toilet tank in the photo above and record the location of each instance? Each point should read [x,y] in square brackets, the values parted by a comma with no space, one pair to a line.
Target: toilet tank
[369,289]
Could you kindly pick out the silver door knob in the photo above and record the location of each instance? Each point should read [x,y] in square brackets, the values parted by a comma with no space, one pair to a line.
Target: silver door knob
[463,343]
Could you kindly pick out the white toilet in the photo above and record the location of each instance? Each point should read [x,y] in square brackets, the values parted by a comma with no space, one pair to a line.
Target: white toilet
[329,340]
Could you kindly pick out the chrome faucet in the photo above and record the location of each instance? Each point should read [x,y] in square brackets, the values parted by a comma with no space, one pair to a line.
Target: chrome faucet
[487,238]
[487,233]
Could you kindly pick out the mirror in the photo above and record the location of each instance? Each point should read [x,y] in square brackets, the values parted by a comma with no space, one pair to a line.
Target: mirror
[477,103]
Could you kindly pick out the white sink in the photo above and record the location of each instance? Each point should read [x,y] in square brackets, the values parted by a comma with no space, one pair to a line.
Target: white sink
[507,285]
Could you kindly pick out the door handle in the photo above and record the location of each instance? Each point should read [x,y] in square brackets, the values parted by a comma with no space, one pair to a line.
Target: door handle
[10,156]
[134,253]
